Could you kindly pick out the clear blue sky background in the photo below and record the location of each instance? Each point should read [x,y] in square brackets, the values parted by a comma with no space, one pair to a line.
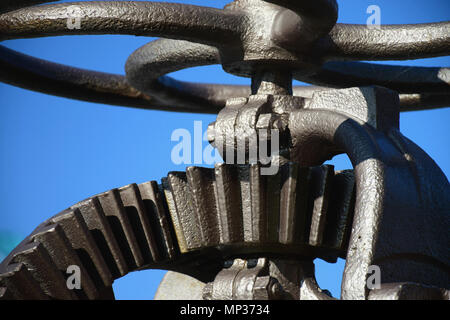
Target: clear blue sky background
[56,152]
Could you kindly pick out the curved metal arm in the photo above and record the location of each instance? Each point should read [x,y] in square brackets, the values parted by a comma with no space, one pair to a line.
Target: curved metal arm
[403,79]
[390,42]
[147,66]
[389,188]
[35,74]
[200,24]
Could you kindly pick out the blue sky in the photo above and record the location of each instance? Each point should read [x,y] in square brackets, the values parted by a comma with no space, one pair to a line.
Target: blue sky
[56,152]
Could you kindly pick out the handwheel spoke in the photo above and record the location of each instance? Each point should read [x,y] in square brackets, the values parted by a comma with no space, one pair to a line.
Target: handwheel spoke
[40,75]
[403,79]
[200,24]
[390,42]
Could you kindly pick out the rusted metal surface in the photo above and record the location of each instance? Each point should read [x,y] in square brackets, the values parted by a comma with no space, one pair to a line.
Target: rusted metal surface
[241,233]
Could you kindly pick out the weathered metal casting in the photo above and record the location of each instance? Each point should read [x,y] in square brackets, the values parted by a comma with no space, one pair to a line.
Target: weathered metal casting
[241,234]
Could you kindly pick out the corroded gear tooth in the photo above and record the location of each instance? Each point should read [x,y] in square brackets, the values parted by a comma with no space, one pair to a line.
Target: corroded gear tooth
[288,214]
[259,208]
[63,255]
[160,222]
[115,215]
[172,208]
[186,223]
[43,269]
[295,209]
[103,235]
[294,201]
[20,283]
[321,180]
[76,230]
[340,211]
[243,182]
[229,203]
[202,187]
[272,200]
[138,217]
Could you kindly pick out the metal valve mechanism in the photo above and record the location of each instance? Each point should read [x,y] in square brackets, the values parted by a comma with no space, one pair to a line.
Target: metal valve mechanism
[250,229]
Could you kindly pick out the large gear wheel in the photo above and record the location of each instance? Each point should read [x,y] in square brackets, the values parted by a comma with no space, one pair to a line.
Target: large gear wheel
[192,223]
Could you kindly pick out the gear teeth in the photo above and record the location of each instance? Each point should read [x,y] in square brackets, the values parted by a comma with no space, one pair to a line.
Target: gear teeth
[243,185]
[44,271]
[159,220]
[138,217]
[272,199]
[259,212]
[170,201]
[202,187]
[120,224]
[231,208]
[76,230]
[63,255]
[321,178]
[340,211]
[239,205]
[182,212]
[20,283]
[294,201]
[229,204]
[103,235]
